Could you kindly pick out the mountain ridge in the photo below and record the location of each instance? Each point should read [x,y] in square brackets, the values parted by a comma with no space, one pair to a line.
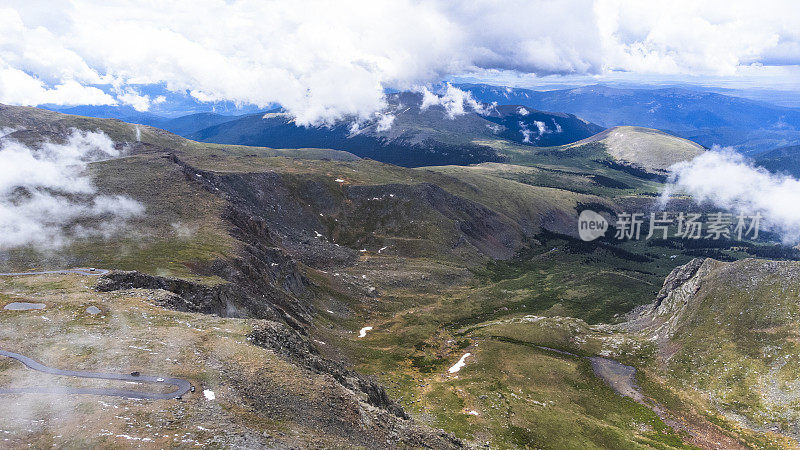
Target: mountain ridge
[705,117]
[417,136]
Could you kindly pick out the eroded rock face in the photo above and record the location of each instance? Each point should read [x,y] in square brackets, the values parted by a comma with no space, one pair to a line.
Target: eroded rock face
[263,280]
[675,299]
[226,300]
[323,225]
[678,290]
[677,278]
[379,418]
[289,344]
[223,300]
[658,318]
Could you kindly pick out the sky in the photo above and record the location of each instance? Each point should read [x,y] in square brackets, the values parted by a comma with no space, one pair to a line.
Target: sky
[324,60]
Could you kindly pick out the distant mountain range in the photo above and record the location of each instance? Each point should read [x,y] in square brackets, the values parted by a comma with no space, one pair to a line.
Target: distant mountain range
[420,137]
[705,117]
[416,137]
[781,160]
[182,125]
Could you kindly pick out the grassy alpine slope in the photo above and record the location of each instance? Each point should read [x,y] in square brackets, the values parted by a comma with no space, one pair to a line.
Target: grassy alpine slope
[439,261]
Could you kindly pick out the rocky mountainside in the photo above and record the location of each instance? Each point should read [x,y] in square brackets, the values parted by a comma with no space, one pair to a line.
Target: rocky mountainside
[246,239]
[730,330]
[258,241]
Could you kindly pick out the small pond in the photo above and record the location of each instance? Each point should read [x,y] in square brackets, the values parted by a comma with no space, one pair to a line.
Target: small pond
[23,306]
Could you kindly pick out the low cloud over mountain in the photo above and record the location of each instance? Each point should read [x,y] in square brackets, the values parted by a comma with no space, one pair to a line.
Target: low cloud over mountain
[47,198]
[728,180]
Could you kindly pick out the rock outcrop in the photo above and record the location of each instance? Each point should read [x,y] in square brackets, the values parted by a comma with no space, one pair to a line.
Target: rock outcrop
[378,416]
[287,343]
[659,318]
[224,300]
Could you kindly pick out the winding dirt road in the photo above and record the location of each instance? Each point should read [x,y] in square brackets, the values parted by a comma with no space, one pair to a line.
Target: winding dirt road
[182,386]
[89,272]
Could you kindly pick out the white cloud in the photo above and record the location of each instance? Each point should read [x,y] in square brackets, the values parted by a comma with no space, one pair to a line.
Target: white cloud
[355,128]
[713,37]
[385,122]
[454,101]
[183,230]
[137,101]
[17,87]
[727,180]
[324,61]
[541,127]
[45,193]
[496,129]
[526,133]
[429,99]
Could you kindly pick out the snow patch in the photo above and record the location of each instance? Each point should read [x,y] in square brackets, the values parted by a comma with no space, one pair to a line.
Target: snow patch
[363,331]
[133,438]
[457,366]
